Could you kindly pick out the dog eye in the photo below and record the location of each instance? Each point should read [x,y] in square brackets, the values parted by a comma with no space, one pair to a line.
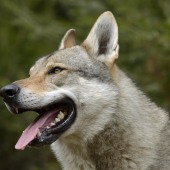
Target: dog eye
[55,70]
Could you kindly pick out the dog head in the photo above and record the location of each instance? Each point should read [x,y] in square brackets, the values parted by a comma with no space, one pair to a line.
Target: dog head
[71,89]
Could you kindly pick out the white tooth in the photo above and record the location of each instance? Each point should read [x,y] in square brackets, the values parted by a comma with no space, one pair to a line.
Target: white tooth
[48,127]
[60,115]
[16,109]
[57,120]
[52,124]
[39,133]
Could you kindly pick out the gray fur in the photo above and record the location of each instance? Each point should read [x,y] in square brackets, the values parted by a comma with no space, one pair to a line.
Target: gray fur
[137,134]
[117,126]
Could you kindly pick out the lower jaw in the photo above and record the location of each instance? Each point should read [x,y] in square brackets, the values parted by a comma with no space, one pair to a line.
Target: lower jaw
[47,128]
[44,140]
[48,136]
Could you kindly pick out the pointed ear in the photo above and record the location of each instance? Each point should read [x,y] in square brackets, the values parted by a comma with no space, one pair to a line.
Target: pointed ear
[68,39]
[102,41]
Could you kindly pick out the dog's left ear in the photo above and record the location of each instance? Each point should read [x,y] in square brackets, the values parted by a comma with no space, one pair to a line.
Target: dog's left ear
[102,41]
[68,39]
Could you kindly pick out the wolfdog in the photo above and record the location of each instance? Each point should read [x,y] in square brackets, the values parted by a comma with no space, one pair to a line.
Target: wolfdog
[88,109]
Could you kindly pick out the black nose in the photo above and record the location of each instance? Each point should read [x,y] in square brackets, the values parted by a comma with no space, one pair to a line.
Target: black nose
[10,91]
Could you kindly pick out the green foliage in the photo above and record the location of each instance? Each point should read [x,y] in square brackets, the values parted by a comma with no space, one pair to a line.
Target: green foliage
[31,29]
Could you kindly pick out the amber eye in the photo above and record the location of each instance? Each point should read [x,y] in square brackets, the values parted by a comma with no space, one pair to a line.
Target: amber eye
[55,70]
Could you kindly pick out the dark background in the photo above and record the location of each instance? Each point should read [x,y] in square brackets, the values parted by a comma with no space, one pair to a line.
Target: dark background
[30,29]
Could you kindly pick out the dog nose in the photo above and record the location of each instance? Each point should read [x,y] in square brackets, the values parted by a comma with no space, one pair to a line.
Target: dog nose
[9,91]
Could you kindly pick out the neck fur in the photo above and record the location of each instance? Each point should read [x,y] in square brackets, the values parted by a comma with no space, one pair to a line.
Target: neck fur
[123,142]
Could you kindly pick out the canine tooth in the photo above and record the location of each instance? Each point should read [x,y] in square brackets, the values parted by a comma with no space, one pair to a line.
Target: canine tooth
[48,127]
[52,124]
[60,115]
[39,133]
[16,109]
[57,120]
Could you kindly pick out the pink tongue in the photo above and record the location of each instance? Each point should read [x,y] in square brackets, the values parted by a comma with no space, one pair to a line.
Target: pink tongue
[32,130]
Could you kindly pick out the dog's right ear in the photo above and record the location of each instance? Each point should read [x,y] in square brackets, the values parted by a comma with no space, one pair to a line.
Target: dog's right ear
[68,39]
[102,41]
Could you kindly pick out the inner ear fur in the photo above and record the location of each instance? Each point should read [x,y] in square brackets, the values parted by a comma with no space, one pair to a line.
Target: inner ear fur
[68,39]
[102,41]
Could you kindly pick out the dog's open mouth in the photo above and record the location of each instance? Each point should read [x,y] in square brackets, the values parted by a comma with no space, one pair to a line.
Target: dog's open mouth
[53,121]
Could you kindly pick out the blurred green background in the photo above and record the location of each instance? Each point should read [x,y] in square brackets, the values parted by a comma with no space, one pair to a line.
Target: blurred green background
[30,29]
